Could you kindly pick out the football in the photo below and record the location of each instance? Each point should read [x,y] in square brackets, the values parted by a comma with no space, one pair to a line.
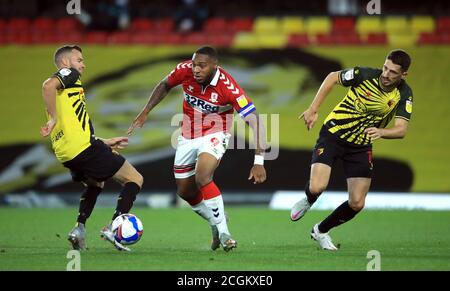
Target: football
[127,228]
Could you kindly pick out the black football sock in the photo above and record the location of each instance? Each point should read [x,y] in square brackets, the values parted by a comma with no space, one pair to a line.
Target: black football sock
[311,197]
[126,198]
[87,203]
[340,215]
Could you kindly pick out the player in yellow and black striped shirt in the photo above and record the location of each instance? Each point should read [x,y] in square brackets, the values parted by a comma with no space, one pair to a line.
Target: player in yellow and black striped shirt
[91,160]
[374,98]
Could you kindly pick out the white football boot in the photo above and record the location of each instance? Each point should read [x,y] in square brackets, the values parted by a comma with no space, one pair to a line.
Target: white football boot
[323,239]
[107,234]
[299,209]
[227,242]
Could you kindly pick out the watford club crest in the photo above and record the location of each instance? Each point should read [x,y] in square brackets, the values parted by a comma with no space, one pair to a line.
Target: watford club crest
[319,151]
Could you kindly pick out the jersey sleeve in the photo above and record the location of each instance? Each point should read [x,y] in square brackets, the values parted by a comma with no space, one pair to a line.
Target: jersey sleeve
[67,76]
[176,76]
[350,77]
[237,97]
[404,109]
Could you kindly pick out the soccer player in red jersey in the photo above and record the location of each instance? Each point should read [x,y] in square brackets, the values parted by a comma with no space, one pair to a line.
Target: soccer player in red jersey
[210,95]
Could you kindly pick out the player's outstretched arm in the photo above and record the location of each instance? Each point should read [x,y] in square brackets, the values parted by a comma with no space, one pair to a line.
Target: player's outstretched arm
[311,114]
[397,131]
[49,88]
[257,172]
[158,94]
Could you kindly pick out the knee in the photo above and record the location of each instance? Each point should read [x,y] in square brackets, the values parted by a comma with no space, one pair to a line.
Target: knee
[316,188]
[202,179]
[186,193]
[356,205]
[138,179]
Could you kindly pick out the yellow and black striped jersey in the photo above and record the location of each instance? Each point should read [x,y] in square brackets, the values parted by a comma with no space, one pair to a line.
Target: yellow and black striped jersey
[366,105]
[73,132]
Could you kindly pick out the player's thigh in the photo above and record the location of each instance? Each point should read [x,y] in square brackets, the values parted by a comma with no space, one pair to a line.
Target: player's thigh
[358,187]
[127,173]
[187,187]
[211,151]
[185,158]
[319,177]
[206,165]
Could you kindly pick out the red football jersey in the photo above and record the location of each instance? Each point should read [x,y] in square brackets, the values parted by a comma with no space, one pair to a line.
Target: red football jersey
[208,109]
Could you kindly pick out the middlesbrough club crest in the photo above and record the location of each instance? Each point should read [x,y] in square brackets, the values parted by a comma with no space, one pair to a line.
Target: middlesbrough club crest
[214,97]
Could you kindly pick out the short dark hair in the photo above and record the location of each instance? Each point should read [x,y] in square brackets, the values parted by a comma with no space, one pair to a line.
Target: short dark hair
[401,58]
[209,51]
[65,49]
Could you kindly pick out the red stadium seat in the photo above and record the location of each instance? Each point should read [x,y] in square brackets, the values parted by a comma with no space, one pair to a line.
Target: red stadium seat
[96,37]
[429,38]
[142,24]
[172,38]
[221,40]
[165,25]
[443,24]
[20,38]
[343,24]
[146,38]
[376,38]
[119,37]
[296,40]
[19,25]
[241,24]
[44,25]
[197,38]
[68,25]
[3,26]
[217,25]
[71,38]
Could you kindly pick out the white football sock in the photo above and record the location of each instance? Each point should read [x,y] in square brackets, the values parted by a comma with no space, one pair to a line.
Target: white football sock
[203,210]
[217,211]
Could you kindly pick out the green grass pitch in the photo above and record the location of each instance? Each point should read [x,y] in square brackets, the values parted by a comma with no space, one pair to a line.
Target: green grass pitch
[178,239]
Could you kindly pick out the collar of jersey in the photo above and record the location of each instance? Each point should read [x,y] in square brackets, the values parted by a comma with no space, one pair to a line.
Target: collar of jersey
[216,78]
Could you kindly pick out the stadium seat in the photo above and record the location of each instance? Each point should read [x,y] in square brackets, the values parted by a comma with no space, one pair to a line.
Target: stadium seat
[376,38]
[298,40]
[119,37]
[165,25]
[443,24]
[172,38]
[18,25]
[221,40]
[245,40]
[316,25]
[96,37]
[68,25]
[216,25]
[266,25]
[196,38]
[43,25]
[275,41]
[429,38]
[338,39]
[397,25]
[402,40]
[292,25]
[146,38]
[142,24]
[420,24]
[343,24]
[366,25]
[241,24]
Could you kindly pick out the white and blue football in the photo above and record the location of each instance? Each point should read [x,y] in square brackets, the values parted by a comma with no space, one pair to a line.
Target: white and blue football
[127,228]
